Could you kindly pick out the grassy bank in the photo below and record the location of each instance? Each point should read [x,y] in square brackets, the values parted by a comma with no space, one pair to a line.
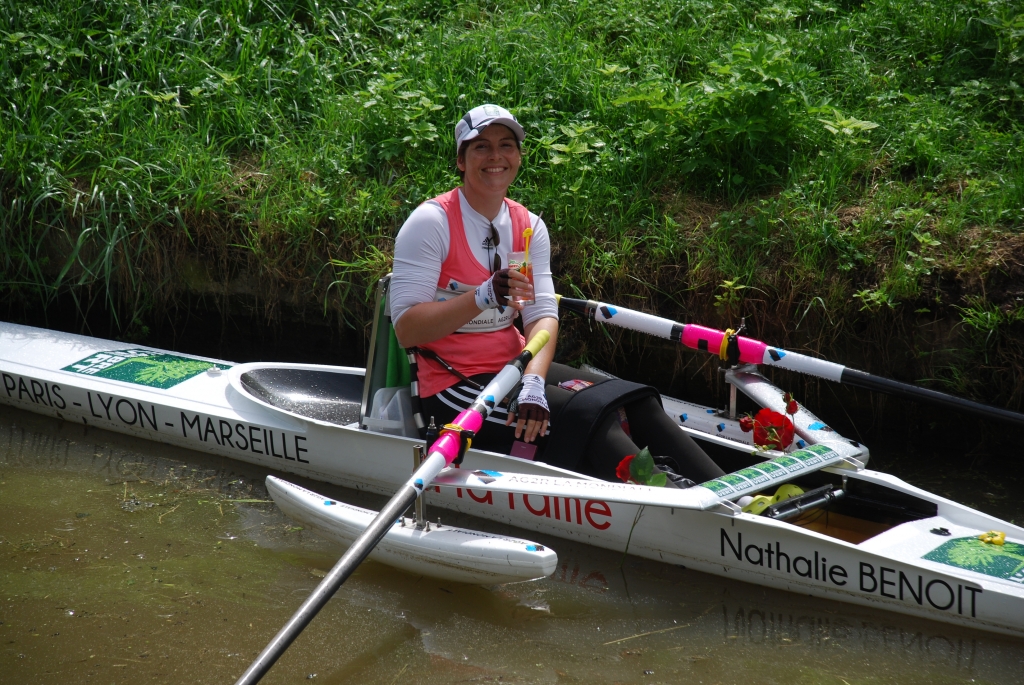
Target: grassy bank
[849,177]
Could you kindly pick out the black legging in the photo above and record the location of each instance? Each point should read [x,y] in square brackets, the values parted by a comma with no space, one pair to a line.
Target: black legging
[649,427]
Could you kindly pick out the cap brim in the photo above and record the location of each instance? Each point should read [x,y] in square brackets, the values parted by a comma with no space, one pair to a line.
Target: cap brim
[511,124]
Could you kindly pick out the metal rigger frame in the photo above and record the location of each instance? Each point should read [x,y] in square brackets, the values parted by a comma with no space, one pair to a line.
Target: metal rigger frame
[419,517]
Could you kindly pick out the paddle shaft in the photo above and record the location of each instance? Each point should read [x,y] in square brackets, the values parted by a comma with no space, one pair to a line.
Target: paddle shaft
[750,351]
[449,445]
[878,384]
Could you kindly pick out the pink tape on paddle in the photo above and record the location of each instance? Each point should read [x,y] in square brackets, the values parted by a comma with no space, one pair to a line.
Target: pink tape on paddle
[448,443]
[693,335]
[751,351]
[448,446]
[469,420]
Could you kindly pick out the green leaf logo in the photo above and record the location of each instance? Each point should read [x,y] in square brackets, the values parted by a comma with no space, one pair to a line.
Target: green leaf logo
[142,367]
[971,554]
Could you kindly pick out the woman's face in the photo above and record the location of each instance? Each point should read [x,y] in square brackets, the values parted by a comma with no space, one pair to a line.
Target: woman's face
[491,160]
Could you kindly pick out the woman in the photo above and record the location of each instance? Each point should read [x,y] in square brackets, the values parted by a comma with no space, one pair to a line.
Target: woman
[452,295]
[454,300]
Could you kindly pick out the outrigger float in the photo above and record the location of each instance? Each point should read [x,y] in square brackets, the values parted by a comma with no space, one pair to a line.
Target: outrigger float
[414,545]
[853,535]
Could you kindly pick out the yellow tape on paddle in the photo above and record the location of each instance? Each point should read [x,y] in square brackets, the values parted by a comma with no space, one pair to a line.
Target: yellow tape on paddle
[723,349]
[538,341]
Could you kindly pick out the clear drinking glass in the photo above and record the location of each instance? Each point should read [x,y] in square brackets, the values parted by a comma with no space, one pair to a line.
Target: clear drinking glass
[517,261]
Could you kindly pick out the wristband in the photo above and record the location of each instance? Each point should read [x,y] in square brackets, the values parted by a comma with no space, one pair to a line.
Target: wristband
[493,293]
[533,392]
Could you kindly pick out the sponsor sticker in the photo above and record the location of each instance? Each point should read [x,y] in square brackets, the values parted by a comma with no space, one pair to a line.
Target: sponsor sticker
[142,367]
[758,476]
[807,458]
[1004,561]
[754,475]
[769,467]
[716,486]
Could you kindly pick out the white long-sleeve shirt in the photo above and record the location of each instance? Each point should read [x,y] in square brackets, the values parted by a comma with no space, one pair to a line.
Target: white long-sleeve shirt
[422,246]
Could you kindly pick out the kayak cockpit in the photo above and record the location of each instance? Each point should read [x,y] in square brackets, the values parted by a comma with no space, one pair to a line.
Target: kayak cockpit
[324,394]
[862,510]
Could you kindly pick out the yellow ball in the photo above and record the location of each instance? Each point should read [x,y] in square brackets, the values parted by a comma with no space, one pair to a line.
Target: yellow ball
[787,491]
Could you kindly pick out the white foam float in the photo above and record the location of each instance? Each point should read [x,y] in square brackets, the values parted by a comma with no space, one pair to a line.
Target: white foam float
[446,552]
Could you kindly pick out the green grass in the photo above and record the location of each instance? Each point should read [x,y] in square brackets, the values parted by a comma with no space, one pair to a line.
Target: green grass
[822,162]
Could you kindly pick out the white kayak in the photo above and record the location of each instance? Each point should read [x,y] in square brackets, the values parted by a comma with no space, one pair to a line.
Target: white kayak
[869,538]
[439,551]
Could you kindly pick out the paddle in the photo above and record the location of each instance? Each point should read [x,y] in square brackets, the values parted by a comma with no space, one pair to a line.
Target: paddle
[737,349]
[455,438]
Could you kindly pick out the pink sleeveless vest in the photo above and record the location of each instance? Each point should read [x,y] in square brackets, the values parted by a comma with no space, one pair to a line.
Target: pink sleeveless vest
[470,353]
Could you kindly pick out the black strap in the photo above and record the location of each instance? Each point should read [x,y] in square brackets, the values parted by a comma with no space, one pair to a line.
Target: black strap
[574,422]
[430,354]
[417,402]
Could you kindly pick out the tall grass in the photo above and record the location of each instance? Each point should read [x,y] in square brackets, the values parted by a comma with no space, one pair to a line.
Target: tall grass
[803,157]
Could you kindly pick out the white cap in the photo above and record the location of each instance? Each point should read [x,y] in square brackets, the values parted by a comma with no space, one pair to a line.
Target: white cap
[479,118]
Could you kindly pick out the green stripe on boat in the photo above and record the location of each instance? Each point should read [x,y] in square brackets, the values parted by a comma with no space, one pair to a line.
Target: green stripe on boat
[759,476]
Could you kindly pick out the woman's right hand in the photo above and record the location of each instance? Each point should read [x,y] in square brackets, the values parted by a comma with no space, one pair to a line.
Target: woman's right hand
[502,289]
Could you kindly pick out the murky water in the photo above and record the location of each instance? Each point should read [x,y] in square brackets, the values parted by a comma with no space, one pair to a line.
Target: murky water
[124,561]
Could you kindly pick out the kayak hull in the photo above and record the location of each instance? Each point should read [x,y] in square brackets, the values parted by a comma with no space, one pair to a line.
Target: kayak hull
[906,568]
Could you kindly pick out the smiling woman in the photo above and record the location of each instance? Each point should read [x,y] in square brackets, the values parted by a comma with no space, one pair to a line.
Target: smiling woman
[454,301]
[453,296]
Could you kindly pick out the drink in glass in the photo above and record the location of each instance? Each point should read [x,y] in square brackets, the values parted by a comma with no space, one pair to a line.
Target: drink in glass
[520,261]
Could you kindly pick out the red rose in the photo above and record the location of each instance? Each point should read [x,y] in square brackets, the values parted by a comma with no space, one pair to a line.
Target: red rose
[792,407]
[746,424]
[772,430]
[622,470]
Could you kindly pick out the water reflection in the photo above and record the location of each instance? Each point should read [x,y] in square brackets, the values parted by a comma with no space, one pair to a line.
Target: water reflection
[191,579]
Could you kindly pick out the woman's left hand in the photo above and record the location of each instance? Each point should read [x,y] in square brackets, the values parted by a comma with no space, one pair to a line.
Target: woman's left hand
[531,412]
